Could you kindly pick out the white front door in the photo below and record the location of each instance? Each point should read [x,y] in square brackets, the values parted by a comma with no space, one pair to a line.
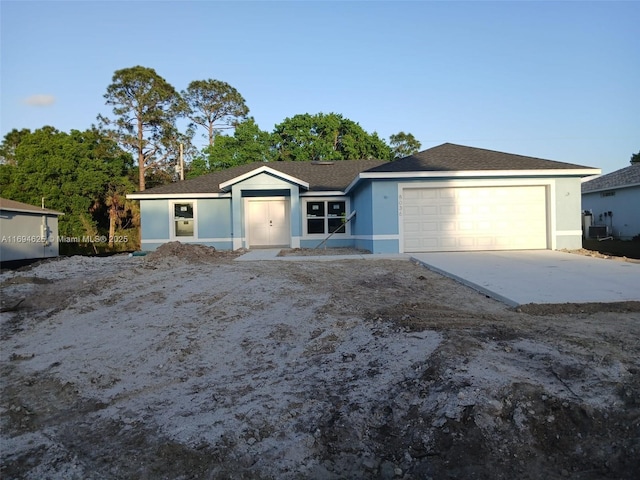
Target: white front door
[268,223]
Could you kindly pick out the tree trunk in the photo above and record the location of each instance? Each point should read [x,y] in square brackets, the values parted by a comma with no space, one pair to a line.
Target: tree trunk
[113,217]
[141,165]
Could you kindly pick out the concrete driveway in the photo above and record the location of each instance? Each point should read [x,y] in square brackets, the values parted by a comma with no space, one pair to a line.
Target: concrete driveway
[539,276]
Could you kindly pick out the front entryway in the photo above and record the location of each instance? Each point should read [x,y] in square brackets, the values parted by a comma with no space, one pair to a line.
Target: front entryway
[268,222]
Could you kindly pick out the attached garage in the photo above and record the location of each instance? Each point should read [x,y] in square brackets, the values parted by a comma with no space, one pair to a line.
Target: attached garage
[474,218]
[446,198]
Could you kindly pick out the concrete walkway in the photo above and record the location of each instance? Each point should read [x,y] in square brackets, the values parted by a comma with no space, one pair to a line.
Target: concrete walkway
[539,276]
[515,278]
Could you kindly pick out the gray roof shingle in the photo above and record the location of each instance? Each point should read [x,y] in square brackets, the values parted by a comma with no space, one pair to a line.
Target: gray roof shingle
[336,176]
[451,157]
[320,176]
[624,177]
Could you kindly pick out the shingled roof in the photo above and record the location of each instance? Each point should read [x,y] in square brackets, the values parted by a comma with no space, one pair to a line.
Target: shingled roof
[13,206]
[625,177]
[451,157]
[323,176]
[337,176]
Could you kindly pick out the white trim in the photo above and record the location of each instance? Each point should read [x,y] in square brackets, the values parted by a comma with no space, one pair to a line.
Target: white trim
[172,220]
[566,233]
[246,208]
[329,193]
[180,196]
[547,183]
[551,216]
[197,240]
[473,174]
[260,170]
[392,236]
[336,198]
[496,182]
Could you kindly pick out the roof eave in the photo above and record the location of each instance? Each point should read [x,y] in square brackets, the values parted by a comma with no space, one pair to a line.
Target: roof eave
[581,172]
[34,211]
[608,189]
[165,196]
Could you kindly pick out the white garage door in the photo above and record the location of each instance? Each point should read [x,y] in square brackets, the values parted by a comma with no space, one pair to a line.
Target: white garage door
[474,218]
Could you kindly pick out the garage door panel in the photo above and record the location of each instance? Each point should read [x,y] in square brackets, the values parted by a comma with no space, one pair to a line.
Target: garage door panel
[412,211]
[429,210]
[475,218]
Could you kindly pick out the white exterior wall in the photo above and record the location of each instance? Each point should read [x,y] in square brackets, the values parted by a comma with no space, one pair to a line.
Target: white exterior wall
[624,205]
[27,235]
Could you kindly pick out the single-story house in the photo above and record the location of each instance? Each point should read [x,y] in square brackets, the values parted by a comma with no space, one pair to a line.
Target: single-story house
[27,232]
[612,202]
[446,198]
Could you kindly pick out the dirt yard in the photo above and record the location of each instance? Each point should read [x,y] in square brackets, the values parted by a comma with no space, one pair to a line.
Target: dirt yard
[185,364]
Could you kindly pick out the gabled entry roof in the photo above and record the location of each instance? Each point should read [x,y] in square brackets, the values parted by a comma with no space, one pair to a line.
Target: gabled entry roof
[226,186]
[319,177]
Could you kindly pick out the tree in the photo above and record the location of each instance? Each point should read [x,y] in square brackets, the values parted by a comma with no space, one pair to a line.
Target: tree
[146,107]
[635,158]
[403,145]
[73,172]
[9,144]
[326,138]
[214,105]
[248,144]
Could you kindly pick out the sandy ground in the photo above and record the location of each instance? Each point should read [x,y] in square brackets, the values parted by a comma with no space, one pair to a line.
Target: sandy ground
[185,364]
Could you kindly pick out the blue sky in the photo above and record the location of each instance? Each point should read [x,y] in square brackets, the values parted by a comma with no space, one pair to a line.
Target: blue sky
[556,80]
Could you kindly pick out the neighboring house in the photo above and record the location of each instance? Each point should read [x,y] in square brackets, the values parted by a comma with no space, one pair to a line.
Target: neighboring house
[447,198]
[27,232]
[614,203]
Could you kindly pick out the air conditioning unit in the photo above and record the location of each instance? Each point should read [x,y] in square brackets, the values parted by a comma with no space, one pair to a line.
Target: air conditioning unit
[598,231]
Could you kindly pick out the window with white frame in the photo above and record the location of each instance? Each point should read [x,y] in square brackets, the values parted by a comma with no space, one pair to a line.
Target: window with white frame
[325,216]
[183,220]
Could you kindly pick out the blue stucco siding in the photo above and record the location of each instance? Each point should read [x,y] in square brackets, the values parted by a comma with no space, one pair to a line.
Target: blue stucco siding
[385,208]
[154,216]
[213,222]
[361,202]
[376,204]
[214,218]
[331,243]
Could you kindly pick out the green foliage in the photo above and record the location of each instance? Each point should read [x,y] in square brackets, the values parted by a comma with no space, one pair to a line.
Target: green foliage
[9,144]
[403,145]
[635,158]
[146,108]
[73,172]
[326,138]
[247,145]
[214,105]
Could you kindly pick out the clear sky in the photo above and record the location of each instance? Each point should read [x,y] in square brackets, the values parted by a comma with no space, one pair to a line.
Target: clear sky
[556,80]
